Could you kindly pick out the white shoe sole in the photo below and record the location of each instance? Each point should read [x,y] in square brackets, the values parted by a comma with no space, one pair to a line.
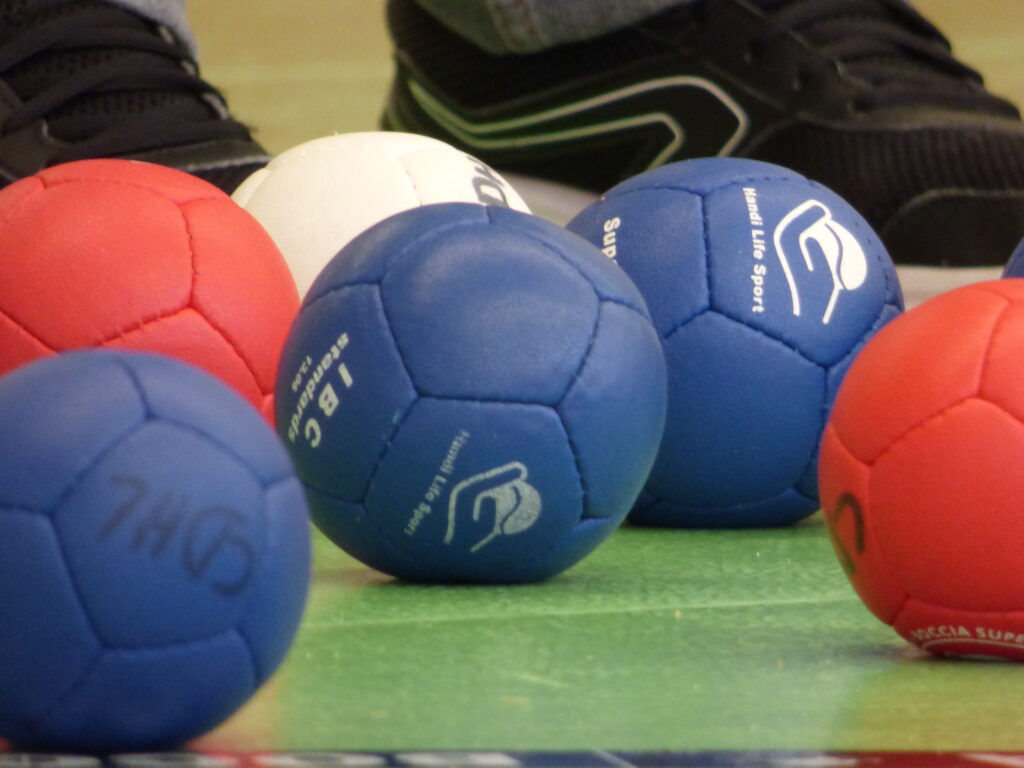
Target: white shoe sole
[922,283]
[551,201]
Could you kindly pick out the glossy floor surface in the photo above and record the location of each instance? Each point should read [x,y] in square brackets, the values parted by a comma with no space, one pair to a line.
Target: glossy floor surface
[660,640]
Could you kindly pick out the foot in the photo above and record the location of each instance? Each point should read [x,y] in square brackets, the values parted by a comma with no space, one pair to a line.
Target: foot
[864,96]
[89,79]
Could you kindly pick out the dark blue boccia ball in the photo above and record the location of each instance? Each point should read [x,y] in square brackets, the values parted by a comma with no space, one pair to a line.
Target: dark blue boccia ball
[762,286]
[471,394]
[154,552]
[1015,265]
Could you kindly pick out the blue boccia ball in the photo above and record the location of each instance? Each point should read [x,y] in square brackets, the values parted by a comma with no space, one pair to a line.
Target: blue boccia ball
[471,394]
[762,286]
[1015,265]
[154,552]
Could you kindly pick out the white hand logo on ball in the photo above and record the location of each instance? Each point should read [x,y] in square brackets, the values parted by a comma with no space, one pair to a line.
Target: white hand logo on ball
[844,255]
[516,503]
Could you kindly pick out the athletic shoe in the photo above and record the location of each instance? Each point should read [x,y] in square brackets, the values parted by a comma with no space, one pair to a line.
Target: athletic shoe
[864,96]
[89,79]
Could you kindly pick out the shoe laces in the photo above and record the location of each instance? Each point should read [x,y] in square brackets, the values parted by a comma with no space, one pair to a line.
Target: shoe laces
[889,47]
[108,83]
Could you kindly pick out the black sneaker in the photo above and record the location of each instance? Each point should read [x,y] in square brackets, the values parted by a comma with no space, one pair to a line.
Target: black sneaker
[87,79]
[861,95]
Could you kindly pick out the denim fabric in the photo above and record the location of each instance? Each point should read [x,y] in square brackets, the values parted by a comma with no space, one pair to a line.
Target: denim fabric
[524,26]
[170,13]
[499,26]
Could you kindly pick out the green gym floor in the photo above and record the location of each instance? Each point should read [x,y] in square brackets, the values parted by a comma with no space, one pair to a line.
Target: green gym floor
[659,641]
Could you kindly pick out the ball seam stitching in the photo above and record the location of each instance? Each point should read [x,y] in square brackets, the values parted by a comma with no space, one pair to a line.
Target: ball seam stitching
[152,416]
[396,425]
[576,458]
[702,192]
[239,353]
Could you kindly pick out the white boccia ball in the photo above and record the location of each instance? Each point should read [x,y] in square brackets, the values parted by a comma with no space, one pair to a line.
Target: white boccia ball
[317,196]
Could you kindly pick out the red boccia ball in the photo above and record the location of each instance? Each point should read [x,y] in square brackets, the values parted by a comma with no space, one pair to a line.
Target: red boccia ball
[131,255]
[922,473]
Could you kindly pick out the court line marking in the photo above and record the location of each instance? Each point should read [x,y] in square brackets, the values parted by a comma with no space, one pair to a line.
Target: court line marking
[348,621]
[527,677]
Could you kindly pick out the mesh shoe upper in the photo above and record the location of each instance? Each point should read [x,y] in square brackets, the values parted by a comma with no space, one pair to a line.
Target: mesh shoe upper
[864,96]
[84,79]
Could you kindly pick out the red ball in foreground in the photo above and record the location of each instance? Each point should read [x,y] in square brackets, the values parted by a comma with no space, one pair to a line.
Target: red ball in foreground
[130,255]
[922,473]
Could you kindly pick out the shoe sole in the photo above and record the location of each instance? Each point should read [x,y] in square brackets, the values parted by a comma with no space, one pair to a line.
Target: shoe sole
[922,283]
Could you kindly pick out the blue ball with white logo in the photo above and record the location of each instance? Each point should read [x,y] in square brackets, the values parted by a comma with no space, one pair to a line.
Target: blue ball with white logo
[471,394]
[762,287]
[154,552]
